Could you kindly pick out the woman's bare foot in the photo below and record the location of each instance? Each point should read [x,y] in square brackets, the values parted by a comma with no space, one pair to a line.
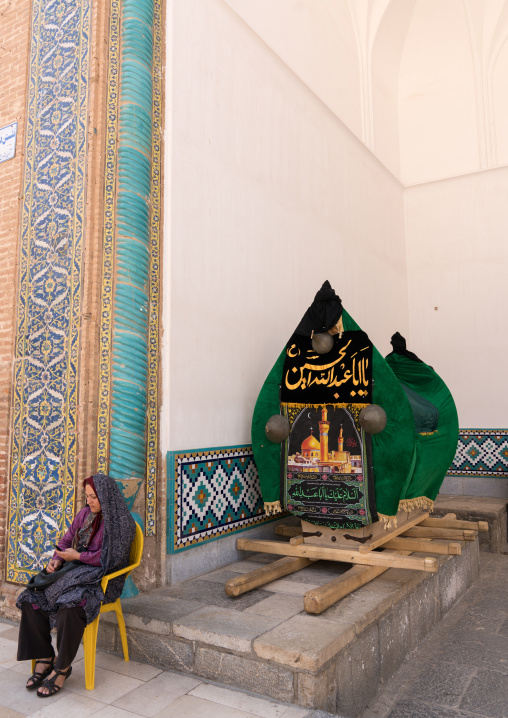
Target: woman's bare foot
[41,667]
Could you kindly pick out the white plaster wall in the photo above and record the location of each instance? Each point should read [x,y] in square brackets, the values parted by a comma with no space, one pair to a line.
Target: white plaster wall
[422,83]
[319,42]
[437,104]
[458,262]
[387,49]
[348,53]
[499,104]
[453,104]
[270,195]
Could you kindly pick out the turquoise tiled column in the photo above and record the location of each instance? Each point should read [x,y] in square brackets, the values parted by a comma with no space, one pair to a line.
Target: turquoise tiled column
[128,445]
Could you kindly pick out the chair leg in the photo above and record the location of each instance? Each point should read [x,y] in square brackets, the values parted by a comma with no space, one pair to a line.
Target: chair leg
[90,647]
[123,632]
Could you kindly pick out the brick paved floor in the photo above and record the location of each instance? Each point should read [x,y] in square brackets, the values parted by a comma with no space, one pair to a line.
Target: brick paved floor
[461,669]
[128,690]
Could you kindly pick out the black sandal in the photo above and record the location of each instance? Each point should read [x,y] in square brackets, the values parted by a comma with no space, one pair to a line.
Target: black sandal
[37,678]
[50,683]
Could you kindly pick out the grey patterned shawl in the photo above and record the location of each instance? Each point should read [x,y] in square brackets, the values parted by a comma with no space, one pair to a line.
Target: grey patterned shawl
[83,583]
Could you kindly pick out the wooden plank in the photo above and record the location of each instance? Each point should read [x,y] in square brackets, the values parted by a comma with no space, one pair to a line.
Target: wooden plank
[385,558]
[319,599]
[424,544]
[364,539]
[454,534]
[290,531]
[447,523]
[266,573]
[392,533]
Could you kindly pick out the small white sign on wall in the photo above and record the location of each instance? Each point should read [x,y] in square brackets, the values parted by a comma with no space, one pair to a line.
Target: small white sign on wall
[8,141]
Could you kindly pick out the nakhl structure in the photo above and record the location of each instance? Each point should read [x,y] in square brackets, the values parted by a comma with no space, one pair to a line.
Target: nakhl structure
[388,431]
[350,476]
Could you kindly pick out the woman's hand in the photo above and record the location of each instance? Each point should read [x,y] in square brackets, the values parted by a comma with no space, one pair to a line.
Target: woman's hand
[69,554]
[53,565]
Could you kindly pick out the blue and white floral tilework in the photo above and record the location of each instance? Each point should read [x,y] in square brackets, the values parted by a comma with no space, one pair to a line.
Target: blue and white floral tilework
[43,449]
[211,493]
[481,452]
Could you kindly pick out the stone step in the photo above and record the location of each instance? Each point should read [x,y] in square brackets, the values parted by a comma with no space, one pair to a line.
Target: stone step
[478,508]
[264,642]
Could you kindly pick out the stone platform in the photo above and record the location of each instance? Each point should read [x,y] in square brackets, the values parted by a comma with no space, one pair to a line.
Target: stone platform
[264,642]
[479,508]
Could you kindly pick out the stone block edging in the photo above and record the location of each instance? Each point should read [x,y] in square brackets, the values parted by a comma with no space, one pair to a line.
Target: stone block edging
[335,662]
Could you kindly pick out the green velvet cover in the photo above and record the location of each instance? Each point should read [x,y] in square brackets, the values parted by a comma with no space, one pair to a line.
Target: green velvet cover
[425,414]
[266,453]
[435,451]
[406,465]
[393,449]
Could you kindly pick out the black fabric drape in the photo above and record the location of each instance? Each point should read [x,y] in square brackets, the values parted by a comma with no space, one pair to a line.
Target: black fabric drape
[323,314]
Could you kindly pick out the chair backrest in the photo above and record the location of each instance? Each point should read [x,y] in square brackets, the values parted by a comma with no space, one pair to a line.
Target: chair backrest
[137,547]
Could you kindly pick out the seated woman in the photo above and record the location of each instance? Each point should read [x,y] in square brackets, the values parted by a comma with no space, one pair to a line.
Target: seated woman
[100,539]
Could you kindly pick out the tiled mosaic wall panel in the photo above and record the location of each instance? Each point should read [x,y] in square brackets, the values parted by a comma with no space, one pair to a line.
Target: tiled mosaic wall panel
[215,492]
[43,449]
[211,493]
[481,452]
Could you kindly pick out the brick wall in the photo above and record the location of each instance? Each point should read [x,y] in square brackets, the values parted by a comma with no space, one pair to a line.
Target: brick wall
[15,17]
[14,47]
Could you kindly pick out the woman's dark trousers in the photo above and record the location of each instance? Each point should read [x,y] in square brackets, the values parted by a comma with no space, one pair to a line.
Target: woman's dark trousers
[35,637]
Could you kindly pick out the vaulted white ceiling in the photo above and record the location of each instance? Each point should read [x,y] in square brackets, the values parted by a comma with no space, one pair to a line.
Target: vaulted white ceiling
[422,83]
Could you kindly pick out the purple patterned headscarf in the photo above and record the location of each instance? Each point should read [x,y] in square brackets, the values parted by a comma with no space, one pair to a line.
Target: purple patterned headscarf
[83,583]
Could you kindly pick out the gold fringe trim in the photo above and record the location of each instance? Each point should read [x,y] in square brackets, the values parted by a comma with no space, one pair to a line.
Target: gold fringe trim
[421,502]
[272,507]
[429,433]
[388,521]
[289,405]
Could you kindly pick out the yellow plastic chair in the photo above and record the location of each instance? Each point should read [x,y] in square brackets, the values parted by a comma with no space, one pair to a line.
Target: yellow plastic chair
[90,633]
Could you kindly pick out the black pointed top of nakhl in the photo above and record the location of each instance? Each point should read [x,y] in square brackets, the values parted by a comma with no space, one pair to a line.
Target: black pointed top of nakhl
[399,347]
[323,314]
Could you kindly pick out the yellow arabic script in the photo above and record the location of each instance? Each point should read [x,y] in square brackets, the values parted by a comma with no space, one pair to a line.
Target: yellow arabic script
[326,375]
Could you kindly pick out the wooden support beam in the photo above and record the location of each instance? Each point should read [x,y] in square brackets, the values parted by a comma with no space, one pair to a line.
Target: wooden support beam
[447,523]
[454,534]
[425,545]
[402,526]
[385,558]
[319,599]
[290,531]
[266,573]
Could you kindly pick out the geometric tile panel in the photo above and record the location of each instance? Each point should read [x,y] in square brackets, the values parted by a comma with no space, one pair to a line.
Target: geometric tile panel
[481,452]
[211,493]
[43,444]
